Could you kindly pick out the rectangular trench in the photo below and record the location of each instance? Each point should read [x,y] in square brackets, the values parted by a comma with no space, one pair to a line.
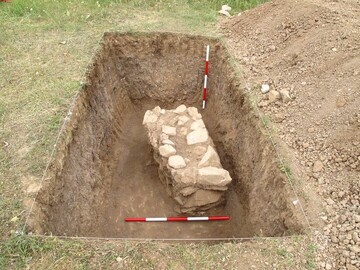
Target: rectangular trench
[104,169]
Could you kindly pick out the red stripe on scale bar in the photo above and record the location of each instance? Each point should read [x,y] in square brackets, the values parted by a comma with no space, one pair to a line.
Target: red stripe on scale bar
[207,68]
[177,219]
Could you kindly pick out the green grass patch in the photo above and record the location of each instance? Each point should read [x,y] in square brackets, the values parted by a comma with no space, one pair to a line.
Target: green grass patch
[284,168]
[310,256]
[57,9]
[2,111]
[266,120]
[20,248]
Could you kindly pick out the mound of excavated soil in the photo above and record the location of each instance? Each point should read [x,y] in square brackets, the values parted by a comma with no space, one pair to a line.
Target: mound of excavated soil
[312,49]
[104,170]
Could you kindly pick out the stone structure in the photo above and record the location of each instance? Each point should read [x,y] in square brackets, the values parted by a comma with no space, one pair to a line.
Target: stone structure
[188,163]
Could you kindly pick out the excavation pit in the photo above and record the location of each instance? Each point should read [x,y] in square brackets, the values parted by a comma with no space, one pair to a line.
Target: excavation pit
[104,169]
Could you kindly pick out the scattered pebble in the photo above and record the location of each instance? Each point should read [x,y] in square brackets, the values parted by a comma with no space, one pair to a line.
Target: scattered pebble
[265,88]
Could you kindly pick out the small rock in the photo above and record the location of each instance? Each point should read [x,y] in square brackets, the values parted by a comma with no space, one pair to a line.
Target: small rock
[167,150]
[274,96]
[193,112]
[355,249]
[330,201]
[225,7]
[328,266]
[169,130]
[212,176]
[340,102]
[318,166]
[342,219]
[203,197]
[188,191]
[182,120]
[334,239]
[197,124]
[197,136]
[14,219]
[285,96]
[224,12]
[263,103]
[183,131]
[180,109]
[119,259]
[150,117]
[278,117]
[176,162]
[355,237]
[265,88]
[163,137]
[179,200]
[272,48]
[311,130]
[357,218]
[346,253]
[210,158]
[167,141]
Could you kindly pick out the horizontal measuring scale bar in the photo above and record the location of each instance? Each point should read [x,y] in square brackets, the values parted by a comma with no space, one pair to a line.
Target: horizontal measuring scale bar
[169,219]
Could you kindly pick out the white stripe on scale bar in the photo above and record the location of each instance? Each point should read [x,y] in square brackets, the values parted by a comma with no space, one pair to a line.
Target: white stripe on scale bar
[205,81]
[207,52]
[156,219]
[197,218]
[203,104]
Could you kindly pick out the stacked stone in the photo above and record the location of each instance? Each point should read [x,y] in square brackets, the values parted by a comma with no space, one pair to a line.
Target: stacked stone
[188,163]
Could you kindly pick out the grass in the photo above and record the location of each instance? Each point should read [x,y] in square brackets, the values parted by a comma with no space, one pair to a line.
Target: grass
[310,252]
[22,247]
[46,46]
[284,168]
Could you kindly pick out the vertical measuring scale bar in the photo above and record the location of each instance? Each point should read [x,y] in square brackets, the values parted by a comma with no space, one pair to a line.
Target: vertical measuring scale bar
[206,75]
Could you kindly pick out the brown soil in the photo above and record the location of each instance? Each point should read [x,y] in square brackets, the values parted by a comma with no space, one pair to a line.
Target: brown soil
[311,48]
[104,170]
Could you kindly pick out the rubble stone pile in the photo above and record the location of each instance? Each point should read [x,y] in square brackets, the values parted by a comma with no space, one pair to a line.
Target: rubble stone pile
[189,165]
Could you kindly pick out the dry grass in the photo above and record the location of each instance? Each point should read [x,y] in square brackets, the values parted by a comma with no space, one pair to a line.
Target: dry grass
[46,47]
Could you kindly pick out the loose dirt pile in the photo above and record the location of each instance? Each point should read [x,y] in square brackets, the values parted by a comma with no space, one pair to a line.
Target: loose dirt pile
[105,171]
[311,49]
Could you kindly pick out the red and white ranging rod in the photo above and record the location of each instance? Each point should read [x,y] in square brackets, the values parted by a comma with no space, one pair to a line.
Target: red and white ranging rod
[169,219]
[206,75]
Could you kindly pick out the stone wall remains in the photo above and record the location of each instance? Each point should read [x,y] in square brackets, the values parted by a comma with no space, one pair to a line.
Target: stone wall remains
[189,165]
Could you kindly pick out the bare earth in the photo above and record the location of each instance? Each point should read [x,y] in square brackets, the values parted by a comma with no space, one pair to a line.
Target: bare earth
[311,48]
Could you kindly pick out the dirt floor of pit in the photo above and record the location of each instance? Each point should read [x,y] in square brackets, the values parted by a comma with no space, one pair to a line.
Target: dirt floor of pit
[136,191]
[104,169]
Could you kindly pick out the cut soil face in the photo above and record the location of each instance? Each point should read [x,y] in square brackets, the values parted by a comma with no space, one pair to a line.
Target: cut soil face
[104,170]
